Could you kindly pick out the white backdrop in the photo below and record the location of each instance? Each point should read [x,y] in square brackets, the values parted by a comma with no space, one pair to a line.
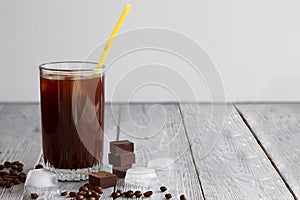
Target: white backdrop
[255,44]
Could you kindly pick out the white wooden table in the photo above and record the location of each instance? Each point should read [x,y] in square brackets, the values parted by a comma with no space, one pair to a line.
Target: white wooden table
[256,156]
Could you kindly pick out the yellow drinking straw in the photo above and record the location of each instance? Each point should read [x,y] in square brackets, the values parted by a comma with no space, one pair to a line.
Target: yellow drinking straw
[113,34]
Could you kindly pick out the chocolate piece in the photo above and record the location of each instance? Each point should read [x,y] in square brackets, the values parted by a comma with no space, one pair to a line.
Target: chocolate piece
[121,171]
[103,179]
[168,196]
[64,193]
[121,160]
[120,147]
[148,193]
[182,197]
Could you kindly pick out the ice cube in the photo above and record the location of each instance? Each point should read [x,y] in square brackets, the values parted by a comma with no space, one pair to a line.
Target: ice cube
[42,182]
[141,176]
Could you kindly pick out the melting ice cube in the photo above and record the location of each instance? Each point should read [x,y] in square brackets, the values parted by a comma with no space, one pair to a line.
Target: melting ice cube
[141,176]
[42,182]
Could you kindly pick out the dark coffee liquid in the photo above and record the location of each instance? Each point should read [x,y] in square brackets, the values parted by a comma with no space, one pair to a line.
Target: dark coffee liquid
[72,120]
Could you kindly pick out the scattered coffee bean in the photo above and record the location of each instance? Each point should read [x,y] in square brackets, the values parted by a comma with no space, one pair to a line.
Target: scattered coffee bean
[81,193]
[97,189]
[87,185]
[129,193]
[168,196]
[2,167]
[91,198]
[16,181]
[182,197]
[20,169]
[38,166]
[72,194]
[34,195]
[64,193]
[7,164]
[14,166]
[84,188]
[79,197]
[115,195]
[120,191]
[95,194]
[9,184]
[163,188]
[13,172]
[148,194]
[138,194]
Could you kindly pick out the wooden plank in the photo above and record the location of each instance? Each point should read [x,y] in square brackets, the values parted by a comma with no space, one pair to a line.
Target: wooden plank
[277,127]
[158,132]
[21,140]
[236,168]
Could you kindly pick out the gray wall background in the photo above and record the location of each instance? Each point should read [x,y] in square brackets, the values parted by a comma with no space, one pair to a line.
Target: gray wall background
[255,44]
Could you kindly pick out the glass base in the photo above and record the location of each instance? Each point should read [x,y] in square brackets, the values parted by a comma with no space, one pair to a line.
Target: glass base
[73,174]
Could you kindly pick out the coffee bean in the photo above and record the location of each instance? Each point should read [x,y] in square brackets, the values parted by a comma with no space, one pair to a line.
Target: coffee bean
[87,185]
[2,167]
[72,194]
[88,193]
[7,164]
[182,197]
[148,194]
[168,196]
[115,195]
[129,193]
[20,164]
[97,189]
[138,194]
[120,191]
[34,195]
[9,184]
[84,188]
[91,198]
[14,166]
[79,197]
[16,181]
[163,188]
[20,169]
[38,166]
[95,194]
[13,172]
[64,193]
[81,193]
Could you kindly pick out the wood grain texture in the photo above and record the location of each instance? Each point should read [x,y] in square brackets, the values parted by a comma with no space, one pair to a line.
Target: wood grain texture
[157,132]
[277,127]
[236,168]
[20,139]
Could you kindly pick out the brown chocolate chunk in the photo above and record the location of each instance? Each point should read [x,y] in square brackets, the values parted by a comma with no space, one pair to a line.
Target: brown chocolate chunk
[168,196]
[120,147]
[121,160]
[72,194]
[64,193]
[103,179]
[121,171]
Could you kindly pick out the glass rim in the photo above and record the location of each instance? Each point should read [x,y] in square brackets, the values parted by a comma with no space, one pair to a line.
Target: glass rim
[47,66]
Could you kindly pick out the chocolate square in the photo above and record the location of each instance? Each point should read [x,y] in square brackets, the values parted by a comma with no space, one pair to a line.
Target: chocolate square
[121,160]
[121,171]
[103,179]
[123,146]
